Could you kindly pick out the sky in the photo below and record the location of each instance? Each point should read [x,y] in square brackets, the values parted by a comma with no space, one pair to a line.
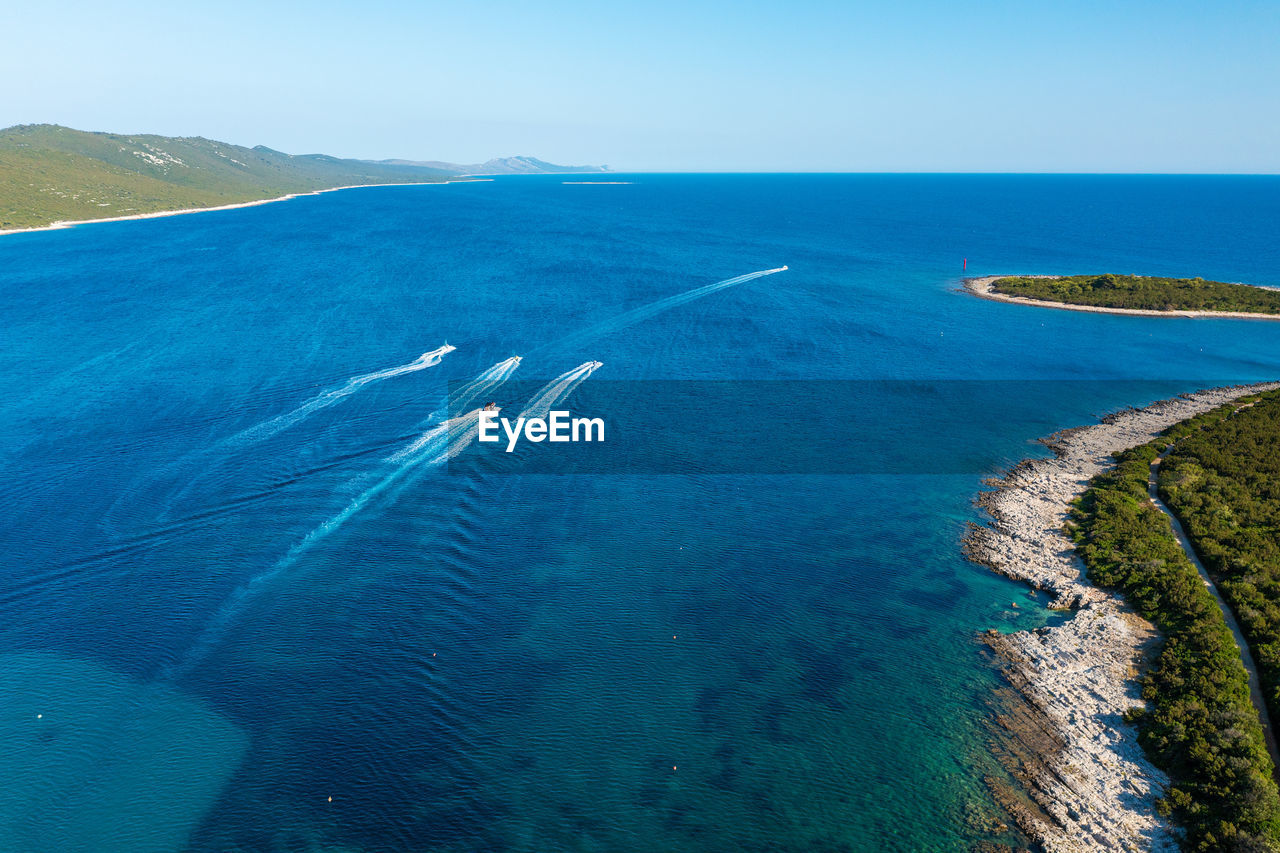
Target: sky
[672,85]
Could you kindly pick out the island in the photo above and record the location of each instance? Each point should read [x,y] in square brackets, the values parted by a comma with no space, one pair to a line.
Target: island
[1143,721]
[1132,294]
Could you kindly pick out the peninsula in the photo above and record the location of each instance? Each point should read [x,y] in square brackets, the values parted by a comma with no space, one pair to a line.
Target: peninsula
[1084,684]
[52,175]
[1132,294]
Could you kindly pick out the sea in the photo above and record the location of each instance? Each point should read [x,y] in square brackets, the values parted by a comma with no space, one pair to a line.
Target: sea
[263,587]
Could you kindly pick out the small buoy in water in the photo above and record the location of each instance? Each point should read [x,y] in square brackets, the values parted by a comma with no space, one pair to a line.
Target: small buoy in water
[433,654]
[41,716]
[673,768]
[331,799]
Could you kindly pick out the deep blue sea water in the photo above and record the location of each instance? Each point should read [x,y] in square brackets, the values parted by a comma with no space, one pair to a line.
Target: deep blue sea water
[231,618]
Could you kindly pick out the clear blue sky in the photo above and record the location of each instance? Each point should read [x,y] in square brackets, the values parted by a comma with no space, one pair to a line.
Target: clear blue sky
[805,85]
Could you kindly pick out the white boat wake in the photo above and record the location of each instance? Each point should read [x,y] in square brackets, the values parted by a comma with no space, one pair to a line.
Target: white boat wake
[460,399]
[444,440]
[539,405]
[434,450]
[431,449]
[644,312]
[182,468]
[279,423]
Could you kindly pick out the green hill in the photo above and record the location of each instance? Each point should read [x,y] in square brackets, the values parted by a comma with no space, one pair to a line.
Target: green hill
[50,173]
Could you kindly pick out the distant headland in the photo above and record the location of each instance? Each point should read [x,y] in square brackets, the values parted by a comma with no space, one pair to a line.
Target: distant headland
[1132,294]
[496,166]
[53,176]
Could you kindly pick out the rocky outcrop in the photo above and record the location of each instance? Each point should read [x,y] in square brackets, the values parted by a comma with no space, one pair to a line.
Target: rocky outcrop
[1068,741]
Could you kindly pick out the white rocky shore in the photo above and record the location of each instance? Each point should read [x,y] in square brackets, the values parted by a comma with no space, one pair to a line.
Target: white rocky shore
[1097,791]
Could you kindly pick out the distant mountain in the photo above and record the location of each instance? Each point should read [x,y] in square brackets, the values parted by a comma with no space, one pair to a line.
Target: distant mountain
[497,166]
[50,173]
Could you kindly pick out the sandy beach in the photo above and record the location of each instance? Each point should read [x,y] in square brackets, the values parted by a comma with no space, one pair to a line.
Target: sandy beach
[1081,762]
[56,226]
[981,287]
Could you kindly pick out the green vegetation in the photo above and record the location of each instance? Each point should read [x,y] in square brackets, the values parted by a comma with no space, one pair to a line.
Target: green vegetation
[1199,725]
[1143,292]
[50,173]
[1224,484]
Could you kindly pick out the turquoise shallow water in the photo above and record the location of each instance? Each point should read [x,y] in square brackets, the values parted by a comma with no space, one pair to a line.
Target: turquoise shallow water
[210,540]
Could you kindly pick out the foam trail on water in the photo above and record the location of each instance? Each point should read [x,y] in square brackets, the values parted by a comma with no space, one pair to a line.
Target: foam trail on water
[482,384]
[460,440]
[437,445]
[539,405]
[262,431]
[434,447]
[268,428]
[644,312]
[460,399]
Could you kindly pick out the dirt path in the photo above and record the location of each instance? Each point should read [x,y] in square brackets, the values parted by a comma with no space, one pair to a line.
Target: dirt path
[1255,683]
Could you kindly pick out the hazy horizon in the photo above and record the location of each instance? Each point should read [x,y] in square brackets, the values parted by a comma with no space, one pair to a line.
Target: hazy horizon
[621,171]
[915,87]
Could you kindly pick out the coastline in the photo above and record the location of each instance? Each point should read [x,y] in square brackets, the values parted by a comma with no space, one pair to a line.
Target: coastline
[71,223]
[1081,762]
[981,287]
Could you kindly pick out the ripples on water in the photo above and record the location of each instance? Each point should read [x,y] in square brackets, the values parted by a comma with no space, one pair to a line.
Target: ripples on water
[476,658]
